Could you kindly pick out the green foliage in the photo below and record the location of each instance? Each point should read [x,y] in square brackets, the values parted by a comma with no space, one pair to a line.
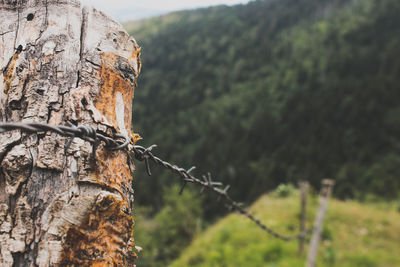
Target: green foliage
[329,256]
[144,236]
[272,92]
[383,175]
[362,261]
[165,235]
[273,253]
[327,233]
[355,235]
[284,190]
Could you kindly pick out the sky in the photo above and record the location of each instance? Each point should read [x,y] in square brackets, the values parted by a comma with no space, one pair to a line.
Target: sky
[124,10]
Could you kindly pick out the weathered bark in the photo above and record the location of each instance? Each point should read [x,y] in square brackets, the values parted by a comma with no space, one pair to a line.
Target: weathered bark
[62,63]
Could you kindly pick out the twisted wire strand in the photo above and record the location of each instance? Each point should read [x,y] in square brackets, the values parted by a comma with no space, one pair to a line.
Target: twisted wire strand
[121,142]
[87,133]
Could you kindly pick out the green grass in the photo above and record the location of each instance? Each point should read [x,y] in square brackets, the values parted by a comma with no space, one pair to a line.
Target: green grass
[354,234]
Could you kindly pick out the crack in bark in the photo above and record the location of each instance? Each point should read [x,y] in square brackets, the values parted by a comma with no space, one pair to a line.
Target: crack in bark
[101,186]
[46,24]
[17,257]
[82,37]
[17,30]
[4,33]
[93,63]
[83,32]
[46,14]
[78,80]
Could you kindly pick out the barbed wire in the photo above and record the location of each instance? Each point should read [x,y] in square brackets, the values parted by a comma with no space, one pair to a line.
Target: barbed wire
[86,133]
[121,142]
[145,154]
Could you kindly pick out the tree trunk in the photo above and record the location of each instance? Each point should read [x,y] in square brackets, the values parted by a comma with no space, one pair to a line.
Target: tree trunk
[61,63]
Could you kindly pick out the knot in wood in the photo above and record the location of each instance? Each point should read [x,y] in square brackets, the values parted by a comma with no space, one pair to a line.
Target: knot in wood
[16,167]
[105,201]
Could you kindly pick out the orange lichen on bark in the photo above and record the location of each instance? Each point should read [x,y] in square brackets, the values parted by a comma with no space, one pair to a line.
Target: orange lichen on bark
[101,240]
[9,72]
[135,137]
[136,56]
[113,83]
[112,170]
[105,238]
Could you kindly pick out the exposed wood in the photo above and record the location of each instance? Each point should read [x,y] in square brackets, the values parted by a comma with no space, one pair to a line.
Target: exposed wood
[326,191]
[303,213]
[60,63]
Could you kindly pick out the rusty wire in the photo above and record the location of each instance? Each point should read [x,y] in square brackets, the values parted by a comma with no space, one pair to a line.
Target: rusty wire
[121,142]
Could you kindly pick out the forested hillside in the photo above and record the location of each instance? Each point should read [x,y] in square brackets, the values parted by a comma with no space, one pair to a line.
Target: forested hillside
[272,92]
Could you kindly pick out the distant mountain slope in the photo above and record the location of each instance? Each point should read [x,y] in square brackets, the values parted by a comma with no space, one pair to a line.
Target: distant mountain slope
[354,235]
[274,91]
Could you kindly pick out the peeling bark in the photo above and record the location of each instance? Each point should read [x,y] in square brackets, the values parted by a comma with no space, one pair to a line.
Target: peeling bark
[60,63]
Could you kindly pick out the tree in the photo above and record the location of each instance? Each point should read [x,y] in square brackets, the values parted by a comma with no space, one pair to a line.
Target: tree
[61,63]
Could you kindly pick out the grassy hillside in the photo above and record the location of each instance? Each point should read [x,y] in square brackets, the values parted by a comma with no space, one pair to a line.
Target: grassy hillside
[274,91]
[354,235]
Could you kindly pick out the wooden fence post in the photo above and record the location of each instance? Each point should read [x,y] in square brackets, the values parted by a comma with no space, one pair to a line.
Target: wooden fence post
[326,190]
[60,63]
[303,213]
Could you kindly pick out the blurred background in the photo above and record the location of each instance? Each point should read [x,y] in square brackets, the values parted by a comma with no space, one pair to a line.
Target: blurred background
[263,94]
